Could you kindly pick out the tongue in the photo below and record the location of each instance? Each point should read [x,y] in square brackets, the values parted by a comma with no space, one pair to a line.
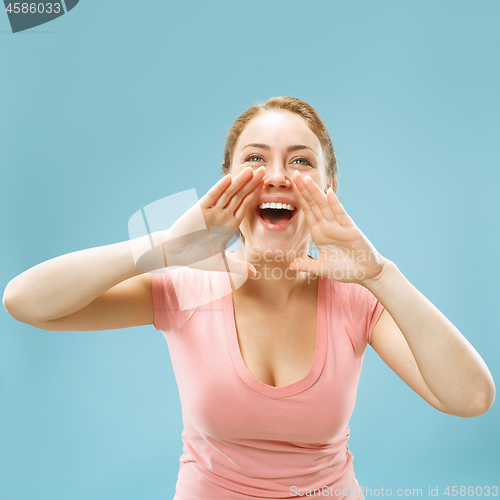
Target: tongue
[275,216]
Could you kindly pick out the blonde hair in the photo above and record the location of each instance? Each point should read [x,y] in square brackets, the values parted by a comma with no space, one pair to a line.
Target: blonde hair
[294,105]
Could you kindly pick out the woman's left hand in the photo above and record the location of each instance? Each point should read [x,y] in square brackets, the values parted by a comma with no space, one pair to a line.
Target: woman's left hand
[345,253]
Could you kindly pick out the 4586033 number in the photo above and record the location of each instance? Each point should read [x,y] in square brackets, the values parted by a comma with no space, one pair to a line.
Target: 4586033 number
[471,491]
[33,8]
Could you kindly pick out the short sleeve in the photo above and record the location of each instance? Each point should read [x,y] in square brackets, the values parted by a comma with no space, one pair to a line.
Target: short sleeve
[166,306]
[362,311]
[178,292]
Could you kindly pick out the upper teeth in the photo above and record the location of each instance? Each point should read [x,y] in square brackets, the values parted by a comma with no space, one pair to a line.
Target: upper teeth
[276,205]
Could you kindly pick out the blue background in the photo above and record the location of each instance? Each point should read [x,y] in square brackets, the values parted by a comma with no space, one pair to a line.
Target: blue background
[120,103]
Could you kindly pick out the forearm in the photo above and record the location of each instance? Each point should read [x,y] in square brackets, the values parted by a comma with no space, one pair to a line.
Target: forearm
[449,365]
[66,284]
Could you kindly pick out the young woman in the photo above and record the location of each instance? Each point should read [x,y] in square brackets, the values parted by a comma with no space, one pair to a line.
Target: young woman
[267,367]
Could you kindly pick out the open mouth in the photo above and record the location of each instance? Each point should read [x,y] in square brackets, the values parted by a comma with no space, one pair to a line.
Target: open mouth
[276,213]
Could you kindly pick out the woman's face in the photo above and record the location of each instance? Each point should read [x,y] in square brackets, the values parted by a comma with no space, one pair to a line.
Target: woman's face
[283,143]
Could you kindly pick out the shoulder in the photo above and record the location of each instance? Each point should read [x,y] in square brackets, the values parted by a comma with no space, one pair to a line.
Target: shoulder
[358,307]
[352,295]
[190,287]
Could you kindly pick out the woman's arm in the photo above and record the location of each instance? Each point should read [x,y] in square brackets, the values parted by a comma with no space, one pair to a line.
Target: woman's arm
[90,288]
[445,370]
[412,336]
[104,288]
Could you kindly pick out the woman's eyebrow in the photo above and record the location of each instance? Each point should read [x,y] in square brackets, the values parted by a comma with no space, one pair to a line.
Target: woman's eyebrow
[296,147]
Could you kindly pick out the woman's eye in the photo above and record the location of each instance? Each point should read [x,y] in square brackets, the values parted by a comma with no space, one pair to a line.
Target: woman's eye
[254,158]
[303,160]
[257,159]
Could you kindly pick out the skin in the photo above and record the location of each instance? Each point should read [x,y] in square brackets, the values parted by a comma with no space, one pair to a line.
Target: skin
[277,349]
[278,131]
[412,336]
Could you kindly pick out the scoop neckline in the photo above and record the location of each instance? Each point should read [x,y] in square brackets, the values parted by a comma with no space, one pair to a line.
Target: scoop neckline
[319,358]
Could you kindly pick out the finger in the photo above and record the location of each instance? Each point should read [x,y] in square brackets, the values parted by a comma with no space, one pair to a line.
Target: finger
[306,194]
[247,202]
[310,266]
[241,267]
[237,198]
[215,192]
[304,204]
[237,183]
[341,215]
[219,194]
[318,200]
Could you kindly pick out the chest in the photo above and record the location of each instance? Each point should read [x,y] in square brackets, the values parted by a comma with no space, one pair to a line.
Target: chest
[257,383]
[277,342]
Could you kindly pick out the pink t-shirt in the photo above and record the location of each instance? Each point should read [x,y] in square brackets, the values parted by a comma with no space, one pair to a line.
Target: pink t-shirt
[244,439]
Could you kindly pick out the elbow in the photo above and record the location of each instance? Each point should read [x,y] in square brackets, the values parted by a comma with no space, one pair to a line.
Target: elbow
[9,299]
[484,399]
[477,404]
[482,404]
[485,395]
[12,301]
[19,306]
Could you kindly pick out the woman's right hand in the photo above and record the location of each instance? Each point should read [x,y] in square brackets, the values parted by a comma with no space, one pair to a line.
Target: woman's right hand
[207,227]
[102,288]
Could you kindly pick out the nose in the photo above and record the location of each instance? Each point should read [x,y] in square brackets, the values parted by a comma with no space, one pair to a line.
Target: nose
[277,176]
